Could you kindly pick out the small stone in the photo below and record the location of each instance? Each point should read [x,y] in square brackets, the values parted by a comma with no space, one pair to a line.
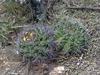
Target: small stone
[4,62]
[17,52]
[45,72]
[1,58]
[9,65]
[53,73]
[7,69]
[78,63]
[66,73]
[57,70]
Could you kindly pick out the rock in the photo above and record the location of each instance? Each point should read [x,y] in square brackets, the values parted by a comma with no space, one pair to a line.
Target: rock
[45,72]
[66,73]
[57,70]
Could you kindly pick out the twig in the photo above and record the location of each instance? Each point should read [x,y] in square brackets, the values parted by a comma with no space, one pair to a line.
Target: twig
[84,7]
[2,1]
[81,7]
[66,2]
[39,23]
[22,26]
[5,72]
[11,73]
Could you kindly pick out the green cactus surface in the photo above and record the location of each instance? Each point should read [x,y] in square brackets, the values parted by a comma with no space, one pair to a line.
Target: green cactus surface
[69,37]
[45,41]
[37,43]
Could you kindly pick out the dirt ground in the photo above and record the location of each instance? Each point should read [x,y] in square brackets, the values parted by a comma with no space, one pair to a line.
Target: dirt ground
[86,64]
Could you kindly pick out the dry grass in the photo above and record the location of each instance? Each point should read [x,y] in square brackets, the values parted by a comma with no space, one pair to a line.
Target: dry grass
[15,12]
[90,20]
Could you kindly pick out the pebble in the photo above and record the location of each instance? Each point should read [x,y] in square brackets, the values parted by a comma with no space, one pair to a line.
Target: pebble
[57,70]
[78,63]
[66,73]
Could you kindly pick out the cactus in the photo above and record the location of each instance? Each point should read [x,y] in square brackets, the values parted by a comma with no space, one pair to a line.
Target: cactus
[69,37]
[47,41]
[39,45]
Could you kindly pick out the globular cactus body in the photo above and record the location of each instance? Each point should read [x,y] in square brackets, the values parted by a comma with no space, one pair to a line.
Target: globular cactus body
[69,37]
[48,41]
[40,43]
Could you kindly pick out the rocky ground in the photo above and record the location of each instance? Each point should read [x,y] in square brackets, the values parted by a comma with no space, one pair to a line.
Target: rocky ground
[86,64]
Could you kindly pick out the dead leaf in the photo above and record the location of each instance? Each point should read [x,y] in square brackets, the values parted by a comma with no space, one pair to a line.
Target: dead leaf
[24,38]
[93,63]
[31,35]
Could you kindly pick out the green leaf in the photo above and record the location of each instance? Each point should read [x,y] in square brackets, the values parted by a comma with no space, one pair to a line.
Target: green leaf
[16,22]
[9,26]
[1,22]
[24,22]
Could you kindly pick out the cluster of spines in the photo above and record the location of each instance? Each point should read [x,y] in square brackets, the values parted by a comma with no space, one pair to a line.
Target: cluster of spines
[41,44]
[63,37]
[69,37]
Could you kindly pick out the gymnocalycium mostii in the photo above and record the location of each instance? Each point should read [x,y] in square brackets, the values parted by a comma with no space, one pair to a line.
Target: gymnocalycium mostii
[47,41]
[70,38]
[38,43]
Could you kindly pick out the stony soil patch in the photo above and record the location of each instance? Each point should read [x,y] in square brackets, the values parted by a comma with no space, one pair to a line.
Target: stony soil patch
[86,64]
